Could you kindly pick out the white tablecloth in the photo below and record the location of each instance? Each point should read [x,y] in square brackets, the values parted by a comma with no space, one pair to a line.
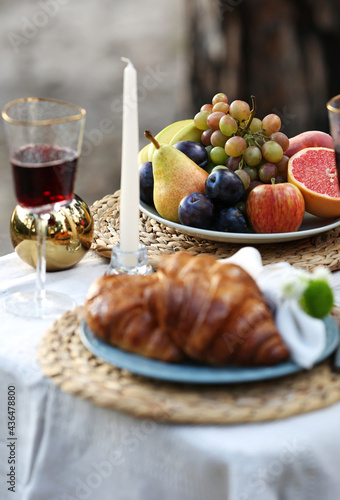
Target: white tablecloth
[69,449]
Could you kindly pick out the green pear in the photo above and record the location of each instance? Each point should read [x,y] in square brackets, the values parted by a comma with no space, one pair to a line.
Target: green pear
[175,176]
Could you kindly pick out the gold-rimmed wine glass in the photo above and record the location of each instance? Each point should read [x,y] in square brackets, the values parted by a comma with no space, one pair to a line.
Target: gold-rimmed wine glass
[333,107]
[44,138]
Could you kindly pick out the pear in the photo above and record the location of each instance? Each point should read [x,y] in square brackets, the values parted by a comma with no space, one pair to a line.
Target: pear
[175,176]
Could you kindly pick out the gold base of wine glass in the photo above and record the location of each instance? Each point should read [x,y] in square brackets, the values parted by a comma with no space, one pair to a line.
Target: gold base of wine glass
[68,239]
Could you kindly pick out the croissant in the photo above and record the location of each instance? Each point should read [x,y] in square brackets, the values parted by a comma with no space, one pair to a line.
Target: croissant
[193,307]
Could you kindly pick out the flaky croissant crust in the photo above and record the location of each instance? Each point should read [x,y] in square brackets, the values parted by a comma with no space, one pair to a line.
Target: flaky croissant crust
[192,307]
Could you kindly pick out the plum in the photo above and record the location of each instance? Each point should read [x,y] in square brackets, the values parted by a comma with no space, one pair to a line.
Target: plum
[231,220]
[224,187]
[196,210]
[146,182]
[195,151]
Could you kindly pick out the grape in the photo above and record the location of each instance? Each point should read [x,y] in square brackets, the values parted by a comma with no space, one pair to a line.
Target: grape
[281,139]
[235,146]
[221,106]
[218,155]
[205,137]
[279,179]
[253,185]
[271,124]
[244,176]
[218,167]
[233,163]
[255,153]
[272,151]
[220,97]
[218,139]
[252,172]
[252,156]
[228,125]
[259,141]
[213,119]
[255,125]
[242,206]
[282,166]
[267,171]
[239,110]
[200,120]
[207,107]
[210,167]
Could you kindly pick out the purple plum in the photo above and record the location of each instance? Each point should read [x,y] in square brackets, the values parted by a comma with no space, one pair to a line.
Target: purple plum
[196,210]
[195,151]
[146,182]
[224,187]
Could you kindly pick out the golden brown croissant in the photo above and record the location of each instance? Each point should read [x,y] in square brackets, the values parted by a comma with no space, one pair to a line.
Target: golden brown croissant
[192,307]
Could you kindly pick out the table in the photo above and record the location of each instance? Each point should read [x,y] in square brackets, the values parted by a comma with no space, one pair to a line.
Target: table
[69,449]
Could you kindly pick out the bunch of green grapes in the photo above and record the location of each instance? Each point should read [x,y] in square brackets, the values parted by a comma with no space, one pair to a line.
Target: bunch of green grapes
[235,138]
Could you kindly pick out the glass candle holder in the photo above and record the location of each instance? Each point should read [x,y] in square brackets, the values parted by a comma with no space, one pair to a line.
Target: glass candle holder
[120,261]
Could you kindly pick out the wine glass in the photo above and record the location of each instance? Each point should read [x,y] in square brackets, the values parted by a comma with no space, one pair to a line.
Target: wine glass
[44,138]
[333,107]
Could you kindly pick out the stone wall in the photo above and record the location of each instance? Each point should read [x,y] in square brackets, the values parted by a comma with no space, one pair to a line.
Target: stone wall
[71,50]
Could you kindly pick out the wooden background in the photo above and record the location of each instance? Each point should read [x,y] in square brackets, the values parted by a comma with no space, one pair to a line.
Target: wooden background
[285,52]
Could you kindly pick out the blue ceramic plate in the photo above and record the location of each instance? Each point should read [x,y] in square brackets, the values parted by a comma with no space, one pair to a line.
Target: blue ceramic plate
[196,373]
[310,226]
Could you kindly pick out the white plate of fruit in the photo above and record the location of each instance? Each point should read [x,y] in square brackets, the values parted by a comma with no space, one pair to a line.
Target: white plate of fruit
[310,226]
[228,176]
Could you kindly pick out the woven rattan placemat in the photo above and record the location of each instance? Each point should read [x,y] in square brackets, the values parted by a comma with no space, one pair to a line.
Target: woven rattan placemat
[321,249]
[71,366]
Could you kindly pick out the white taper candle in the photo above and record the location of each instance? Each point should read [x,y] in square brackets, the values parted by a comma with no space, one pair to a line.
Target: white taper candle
[129,194]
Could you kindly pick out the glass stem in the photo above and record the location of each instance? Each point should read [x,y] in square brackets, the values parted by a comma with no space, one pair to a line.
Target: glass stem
[41,226]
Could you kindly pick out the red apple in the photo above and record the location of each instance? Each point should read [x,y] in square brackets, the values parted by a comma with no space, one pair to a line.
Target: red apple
[275,208]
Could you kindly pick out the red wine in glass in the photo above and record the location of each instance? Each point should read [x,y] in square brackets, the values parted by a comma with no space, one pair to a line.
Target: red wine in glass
[44,175]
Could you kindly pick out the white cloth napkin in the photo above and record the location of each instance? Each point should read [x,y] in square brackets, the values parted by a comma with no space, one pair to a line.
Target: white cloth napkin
[304,335]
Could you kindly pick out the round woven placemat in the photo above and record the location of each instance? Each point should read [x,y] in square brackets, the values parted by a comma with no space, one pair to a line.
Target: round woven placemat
[76,370]
[322,249]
